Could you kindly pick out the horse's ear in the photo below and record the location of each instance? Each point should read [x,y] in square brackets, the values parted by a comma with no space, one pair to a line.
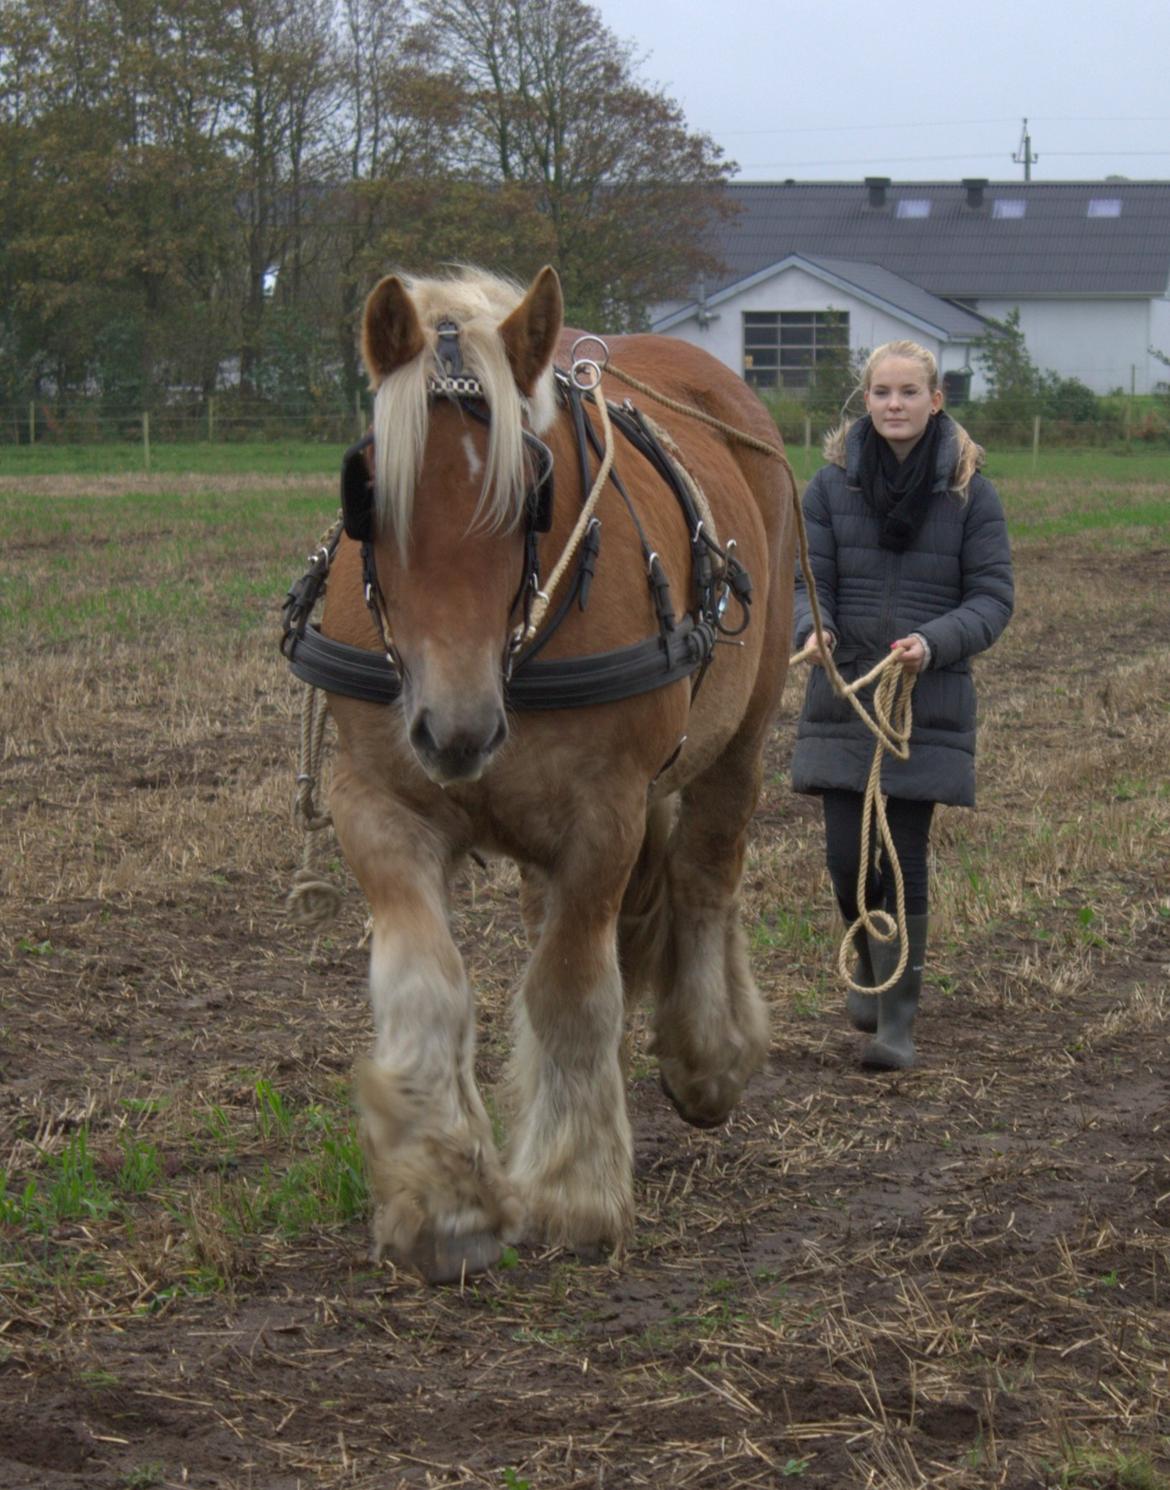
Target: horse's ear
[391,332]
[530,333]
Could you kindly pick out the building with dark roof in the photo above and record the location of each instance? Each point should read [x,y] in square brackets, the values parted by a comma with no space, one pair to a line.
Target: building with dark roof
[810,264]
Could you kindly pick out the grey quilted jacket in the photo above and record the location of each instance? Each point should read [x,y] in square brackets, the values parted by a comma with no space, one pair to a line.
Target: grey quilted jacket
[953,585]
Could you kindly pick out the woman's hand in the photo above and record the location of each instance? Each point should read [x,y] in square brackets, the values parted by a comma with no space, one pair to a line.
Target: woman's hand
[811,652]
[910,652]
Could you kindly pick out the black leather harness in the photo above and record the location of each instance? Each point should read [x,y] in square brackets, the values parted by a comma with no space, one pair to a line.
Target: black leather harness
[683,647]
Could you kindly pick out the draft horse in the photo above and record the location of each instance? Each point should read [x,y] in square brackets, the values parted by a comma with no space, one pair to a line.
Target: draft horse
[627,815]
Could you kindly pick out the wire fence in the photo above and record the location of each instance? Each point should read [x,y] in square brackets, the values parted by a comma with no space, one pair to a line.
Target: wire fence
[232,419]
[211,421]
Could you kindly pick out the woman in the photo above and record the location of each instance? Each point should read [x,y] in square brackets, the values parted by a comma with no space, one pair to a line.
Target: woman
[910,554]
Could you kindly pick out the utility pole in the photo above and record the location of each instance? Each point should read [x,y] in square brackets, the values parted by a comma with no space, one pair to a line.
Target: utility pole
[1023,156]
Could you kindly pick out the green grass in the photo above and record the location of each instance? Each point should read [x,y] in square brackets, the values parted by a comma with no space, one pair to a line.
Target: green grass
[276,457]
[305,1162]
[119,566]
[1095,1469]
[1006,467]
[124,564]
[1153,515]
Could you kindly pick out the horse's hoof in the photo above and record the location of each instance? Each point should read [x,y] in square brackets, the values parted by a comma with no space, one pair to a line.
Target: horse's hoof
[447,1259]
[689,1115]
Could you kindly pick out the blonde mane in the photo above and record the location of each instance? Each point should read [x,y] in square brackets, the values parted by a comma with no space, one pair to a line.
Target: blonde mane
[477,302]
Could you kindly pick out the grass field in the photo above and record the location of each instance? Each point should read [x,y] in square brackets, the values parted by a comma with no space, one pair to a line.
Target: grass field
[307,458]
[957,1277]
[263,457]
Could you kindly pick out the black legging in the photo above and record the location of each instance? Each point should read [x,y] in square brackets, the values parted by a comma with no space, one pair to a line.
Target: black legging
[910,829]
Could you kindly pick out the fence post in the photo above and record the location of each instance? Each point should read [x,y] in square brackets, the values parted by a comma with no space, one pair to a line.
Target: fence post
[1128,437]
[1035,440]
[807,435]
[210,418]
[146,440]
[32,421]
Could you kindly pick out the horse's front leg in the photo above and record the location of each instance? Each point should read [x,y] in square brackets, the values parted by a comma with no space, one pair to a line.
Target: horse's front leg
[571,1155]
[442,1202]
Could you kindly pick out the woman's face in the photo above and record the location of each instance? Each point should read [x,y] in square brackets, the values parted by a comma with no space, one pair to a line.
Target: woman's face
[900,403]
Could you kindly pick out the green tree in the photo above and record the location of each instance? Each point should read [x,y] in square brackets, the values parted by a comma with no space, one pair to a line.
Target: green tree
[555,106]
[1013,380]
[1018,390]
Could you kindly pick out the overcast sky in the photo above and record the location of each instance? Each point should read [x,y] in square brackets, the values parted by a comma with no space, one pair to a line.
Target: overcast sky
[839,89]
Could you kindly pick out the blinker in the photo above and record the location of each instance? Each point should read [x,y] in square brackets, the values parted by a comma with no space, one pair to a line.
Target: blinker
[357,492]
[357,482]
[539,501]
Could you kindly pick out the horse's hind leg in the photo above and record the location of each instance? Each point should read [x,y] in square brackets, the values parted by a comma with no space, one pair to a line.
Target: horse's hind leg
[711,1027]
[442,1202]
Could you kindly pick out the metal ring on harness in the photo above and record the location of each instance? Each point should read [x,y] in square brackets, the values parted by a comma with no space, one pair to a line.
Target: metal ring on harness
[602,361]
[586,365]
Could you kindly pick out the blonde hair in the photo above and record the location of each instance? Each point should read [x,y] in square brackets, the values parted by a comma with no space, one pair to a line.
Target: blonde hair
[477,302]
[970,455]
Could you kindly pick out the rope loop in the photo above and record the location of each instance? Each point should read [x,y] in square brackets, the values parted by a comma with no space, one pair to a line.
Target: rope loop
[313,900]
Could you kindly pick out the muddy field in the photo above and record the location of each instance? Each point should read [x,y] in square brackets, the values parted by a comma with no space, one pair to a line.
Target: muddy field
[957,1276]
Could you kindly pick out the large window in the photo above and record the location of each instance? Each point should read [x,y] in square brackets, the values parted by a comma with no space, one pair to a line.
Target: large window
[783,348]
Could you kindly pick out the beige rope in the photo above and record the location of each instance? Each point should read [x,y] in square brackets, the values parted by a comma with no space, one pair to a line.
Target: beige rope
[544,597]
[697,494]
[692,412]
[313,899]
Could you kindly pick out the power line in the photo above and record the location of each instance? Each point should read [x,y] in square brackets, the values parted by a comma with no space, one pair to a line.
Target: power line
[888,160]
[817,129]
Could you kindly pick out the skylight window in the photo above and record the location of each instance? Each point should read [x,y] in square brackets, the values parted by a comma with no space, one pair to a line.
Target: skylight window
[914,207]
[1008,207]
[1104,207]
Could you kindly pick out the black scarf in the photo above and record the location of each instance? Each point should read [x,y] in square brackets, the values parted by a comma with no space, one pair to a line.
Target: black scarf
[898,492]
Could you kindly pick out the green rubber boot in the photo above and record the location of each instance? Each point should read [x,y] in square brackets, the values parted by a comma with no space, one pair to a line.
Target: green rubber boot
[875,962]
[861,1007]
[892,1049]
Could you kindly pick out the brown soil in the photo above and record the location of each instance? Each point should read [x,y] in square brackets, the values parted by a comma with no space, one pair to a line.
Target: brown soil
[957,1276]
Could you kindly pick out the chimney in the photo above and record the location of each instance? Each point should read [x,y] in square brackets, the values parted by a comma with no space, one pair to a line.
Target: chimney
[974,185]
[877,190]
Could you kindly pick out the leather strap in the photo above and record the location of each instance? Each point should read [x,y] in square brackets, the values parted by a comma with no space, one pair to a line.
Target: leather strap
[570,683]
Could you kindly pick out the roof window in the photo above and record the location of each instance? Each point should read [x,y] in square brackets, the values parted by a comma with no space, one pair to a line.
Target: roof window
[913,207]
[1104,207]
[1008,207]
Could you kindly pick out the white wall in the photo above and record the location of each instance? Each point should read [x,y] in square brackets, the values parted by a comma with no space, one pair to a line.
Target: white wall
[1104,343]
[795,289]
[1156,371]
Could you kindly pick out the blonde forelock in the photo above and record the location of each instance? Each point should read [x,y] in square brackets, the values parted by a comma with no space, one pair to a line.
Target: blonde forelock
[477,302]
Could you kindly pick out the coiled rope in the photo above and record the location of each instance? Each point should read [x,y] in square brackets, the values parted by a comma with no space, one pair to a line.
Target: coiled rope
[313,900]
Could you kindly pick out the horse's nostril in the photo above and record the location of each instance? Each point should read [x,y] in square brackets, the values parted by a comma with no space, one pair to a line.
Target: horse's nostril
[421,735]
[456,751]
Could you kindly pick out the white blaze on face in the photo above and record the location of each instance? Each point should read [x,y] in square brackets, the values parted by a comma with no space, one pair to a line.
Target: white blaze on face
[474,463]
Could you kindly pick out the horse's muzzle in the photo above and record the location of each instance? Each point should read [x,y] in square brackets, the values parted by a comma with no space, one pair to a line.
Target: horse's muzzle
[451,751]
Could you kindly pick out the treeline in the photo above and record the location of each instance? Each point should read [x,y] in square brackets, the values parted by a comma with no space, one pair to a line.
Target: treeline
[196,195]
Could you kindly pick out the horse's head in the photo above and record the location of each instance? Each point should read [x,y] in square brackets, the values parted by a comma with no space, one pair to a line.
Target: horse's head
[452,478]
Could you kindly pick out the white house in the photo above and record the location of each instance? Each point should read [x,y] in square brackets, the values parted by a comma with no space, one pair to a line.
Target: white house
[812,266]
